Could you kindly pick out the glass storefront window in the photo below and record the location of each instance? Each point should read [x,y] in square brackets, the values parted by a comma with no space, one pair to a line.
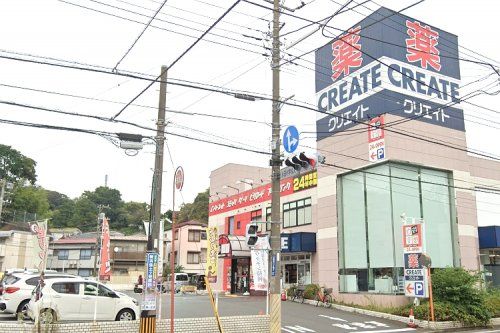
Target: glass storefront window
[370,224]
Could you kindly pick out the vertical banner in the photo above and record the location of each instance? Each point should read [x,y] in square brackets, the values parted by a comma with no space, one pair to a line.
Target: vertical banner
[161,248]
[212,254]
[149,298]
[105,267]
[415,281]
[40,244]
[260,257]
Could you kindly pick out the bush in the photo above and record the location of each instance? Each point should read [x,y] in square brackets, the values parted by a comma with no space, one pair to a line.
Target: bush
[492,301]
[291,291]
[311,291]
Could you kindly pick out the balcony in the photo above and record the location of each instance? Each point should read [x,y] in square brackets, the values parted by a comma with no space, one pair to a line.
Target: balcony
[128,256]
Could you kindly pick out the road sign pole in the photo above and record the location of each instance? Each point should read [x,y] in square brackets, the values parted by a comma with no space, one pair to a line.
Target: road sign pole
[431,300]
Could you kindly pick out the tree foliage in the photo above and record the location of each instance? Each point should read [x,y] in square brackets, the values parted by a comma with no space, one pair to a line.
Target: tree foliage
[198,210]
[29,199]
[15,167]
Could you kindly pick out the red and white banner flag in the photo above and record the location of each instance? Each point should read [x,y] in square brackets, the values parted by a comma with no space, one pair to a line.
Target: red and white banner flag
[105,268]
[40,244]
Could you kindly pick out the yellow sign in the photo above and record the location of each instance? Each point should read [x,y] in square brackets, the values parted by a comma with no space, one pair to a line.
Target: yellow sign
[305,181]
[212,254]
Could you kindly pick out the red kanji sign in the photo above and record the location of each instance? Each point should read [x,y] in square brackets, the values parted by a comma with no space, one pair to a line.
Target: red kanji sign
[376,130]
[421,46]
[413,260]
[346,53]
[412,238]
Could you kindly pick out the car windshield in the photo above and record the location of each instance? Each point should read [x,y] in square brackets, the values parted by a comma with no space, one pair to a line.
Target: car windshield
[181,277]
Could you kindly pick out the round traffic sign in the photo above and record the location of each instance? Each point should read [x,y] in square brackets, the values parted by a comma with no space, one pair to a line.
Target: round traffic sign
[291,139]
[179,178]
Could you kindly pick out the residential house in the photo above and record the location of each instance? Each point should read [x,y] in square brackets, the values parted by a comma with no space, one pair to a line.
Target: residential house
[190,246]
[16,249]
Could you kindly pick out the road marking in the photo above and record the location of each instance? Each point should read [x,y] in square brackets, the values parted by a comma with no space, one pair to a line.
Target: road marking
[297,328]
[332,318]
[362,325]
[376,323]
[345,326]
[388,331]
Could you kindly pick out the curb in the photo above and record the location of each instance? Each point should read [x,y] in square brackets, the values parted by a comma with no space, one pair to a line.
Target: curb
[438,325]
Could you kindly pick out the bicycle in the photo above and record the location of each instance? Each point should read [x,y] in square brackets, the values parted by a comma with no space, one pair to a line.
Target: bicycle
[324,296]
[299,293]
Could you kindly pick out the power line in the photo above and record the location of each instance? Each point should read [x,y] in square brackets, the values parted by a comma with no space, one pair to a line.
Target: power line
[140,35]
[135,105]
[235,94]
[160,28]
[178,58]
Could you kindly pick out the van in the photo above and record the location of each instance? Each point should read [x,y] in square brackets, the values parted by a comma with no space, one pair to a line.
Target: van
[181,279]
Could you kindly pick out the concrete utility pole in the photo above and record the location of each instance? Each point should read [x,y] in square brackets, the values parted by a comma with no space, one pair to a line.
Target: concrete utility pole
[148,317]
[100,218]
[2,194]
[275,285]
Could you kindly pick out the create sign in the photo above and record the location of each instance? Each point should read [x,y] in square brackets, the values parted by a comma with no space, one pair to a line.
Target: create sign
[388,66]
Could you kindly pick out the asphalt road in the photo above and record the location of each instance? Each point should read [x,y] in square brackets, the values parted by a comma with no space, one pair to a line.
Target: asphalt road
[296,318]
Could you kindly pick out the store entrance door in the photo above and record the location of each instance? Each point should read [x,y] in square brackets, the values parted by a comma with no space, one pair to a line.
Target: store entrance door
[240,275]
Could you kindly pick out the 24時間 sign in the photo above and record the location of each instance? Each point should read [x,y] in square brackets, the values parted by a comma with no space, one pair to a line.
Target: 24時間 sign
[263,193]
[399,66]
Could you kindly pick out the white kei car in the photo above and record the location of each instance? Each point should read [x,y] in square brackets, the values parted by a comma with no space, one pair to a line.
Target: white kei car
[16,288]
[79,300]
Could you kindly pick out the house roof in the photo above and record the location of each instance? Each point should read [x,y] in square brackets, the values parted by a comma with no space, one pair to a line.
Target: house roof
[190,222]
[64,230]
[75,240]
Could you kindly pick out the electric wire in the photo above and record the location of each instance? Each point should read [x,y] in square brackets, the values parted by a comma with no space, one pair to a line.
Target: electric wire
[140,35]
[233,94]
[178,58]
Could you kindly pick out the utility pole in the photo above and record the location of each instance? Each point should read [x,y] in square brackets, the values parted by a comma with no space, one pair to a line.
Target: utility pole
[275,271]
[2,194]
[100,218]
[148,315]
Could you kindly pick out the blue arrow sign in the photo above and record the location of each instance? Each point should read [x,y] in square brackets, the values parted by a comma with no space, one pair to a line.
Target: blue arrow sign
[291,139]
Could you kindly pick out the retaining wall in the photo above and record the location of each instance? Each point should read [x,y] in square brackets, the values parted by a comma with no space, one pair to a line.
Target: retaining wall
[231,324]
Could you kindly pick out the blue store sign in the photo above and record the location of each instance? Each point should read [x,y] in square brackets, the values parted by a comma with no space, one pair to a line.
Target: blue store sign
[298,242]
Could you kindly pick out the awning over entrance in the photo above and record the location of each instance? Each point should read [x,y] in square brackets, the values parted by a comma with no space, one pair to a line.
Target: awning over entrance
[233,246]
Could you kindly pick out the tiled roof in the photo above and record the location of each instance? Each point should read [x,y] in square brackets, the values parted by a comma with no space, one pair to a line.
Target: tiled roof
[75,241]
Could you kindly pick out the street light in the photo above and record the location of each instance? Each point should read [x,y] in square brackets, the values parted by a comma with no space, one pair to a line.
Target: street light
[245,181]
[232,187]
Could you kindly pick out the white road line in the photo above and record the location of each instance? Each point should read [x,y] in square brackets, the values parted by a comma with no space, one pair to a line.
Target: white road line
[387,331]
[293,329]
[333,318]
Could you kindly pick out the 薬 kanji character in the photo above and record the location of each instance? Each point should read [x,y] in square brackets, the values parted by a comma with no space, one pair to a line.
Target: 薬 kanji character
[421,46]
[346,53]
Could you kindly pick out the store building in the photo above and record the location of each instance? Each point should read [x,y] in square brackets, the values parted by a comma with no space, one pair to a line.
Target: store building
[393,133]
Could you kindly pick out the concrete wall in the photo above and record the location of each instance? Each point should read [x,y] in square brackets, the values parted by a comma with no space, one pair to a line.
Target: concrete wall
[234,324]
[17,251]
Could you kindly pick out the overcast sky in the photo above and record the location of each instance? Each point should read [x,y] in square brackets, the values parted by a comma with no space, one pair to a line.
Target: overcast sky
[71,162]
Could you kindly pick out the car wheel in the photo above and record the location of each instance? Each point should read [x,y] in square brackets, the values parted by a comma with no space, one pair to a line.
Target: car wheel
[22,309]
[125,315]
[47,316]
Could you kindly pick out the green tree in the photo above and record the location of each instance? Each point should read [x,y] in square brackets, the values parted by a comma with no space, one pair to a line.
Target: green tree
[63,216]
[16,167]
[133,213]
[84,215]
[198,210]
[106,196]
[30,199]
[56,199]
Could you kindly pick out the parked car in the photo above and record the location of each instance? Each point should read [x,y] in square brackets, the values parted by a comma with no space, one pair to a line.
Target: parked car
[78,300]
[17,286]
[181,279]
[198,280]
